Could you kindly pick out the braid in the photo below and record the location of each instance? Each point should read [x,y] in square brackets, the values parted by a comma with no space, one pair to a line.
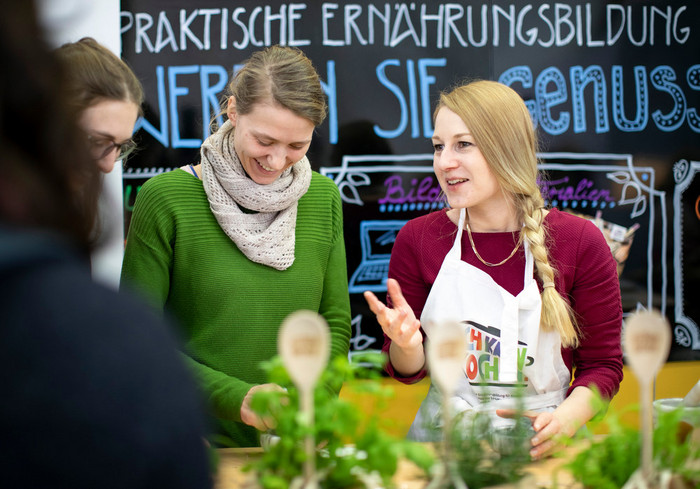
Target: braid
[556,312]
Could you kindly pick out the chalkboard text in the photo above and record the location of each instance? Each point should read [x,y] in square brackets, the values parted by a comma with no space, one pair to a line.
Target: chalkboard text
[409,24]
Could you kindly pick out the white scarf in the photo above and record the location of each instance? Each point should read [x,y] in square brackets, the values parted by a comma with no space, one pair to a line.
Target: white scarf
[265,236]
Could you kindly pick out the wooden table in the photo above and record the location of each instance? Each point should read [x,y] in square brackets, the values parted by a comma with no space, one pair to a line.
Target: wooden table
[540,474]
[231,463]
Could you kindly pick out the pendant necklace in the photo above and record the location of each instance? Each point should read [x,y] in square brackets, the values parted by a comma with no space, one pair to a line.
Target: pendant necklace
[488,264]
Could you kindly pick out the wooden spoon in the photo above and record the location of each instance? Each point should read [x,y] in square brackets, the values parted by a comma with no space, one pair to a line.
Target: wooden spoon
[303,344]
[646,342]
[445,353]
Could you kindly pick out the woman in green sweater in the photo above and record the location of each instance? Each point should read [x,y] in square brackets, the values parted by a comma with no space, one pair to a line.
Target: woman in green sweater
[232,246]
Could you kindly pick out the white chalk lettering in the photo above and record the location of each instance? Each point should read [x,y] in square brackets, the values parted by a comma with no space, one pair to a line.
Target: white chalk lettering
[411,24]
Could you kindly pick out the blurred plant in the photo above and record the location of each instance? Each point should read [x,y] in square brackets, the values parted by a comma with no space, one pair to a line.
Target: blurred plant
[488,453]
[353,450]
[609,461]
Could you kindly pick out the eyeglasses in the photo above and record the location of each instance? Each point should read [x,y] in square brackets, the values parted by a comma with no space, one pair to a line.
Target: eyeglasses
[101,147]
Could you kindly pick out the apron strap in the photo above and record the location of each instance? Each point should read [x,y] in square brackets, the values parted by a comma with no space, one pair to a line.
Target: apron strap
[455,252]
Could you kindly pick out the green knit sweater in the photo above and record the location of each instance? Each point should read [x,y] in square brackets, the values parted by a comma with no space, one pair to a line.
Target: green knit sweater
[228,308]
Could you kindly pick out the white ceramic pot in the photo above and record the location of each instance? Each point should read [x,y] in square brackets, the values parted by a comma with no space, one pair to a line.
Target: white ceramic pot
[691,415]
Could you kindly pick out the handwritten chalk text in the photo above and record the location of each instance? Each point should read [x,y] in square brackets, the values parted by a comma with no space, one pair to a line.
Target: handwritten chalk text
[408,24]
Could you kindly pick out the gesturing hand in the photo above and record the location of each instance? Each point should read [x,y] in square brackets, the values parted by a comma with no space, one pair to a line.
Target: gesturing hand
[400,323]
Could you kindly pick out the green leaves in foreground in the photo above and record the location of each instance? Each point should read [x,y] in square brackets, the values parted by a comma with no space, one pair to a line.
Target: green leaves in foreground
[488,456]
[352,448]
[613,458]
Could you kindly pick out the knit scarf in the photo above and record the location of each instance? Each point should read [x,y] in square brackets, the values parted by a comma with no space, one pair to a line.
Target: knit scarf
[265,235]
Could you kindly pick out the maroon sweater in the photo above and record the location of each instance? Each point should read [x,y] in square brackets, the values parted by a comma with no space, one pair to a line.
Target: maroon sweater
[586,275]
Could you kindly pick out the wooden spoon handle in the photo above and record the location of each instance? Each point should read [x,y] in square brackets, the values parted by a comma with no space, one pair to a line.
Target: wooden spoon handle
[307,407]
[647,428]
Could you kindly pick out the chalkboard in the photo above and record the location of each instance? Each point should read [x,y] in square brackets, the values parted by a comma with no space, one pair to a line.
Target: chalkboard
[614,91]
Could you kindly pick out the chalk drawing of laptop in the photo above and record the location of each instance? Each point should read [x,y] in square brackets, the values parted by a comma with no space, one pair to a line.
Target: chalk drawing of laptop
[376,240]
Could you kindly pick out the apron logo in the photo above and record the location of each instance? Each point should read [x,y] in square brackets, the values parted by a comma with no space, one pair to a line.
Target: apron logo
[483,355]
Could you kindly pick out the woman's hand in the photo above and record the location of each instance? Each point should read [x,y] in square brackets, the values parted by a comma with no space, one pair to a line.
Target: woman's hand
[250,417]
[399,323]
[401,326]
[548,430]
[552,427]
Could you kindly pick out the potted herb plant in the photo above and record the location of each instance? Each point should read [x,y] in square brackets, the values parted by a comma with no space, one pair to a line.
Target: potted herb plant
[612,461]
[353,451]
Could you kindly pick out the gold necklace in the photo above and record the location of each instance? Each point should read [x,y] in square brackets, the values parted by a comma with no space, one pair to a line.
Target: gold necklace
[488,264]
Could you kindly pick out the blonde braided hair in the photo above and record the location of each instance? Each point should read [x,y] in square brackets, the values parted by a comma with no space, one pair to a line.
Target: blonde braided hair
[556,313]
[502,128]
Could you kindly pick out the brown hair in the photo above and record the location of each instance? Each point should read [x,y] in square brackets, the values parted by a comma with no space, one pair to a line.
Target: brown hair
[502,128]
[282,75]
[95,73]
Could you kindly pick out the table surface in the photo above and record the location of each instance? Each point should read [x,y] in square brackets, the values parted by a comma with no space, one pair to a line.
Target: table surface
[547,473]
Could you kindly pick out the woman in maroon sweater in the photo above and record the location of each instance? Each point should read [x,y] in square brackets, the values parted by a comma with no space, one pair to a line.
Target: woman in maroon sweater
[536,289]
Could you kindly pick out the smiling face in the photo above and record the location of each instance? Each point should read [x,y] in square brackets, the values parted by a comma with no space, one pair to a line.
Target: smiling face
[269,139]
[463,173]
[108,123]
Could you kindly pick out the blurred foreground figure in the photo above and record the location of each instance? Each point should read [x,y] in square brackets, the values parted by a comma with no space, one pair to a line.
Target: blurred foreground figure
[93,391]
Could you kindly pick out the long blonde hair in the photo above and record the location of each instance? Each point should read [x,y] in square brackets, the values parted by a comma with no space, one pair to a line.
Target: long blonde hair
[502,129]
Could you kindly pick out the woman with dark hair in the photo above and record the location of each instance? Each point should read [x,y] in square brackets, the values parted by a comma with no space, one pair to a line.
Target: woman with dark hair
[105,95]
[94,393]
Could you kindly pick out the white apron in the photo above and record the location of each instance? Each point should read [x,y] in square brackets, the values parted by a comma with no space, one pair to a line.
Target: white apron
[505,348]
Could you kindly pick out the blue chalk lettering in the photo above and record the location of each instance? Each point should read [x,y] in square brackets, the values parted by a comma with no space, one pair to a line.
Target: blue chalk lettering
[425,81]
[522,74]
[642,103]
[693,78]
[580,78]
[175,92]
[662,78]
[162,135]
[546,100]
[210,95]
[393,88]
[331,90]
[412,97]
